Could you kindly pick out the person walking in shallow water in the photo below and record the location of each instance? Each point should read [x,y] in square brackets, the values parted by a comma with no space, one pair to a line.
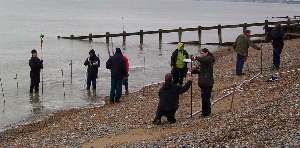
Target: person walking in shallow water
[277,36]
[205,78]
[169,99]
[35,68]
[179,67]
[92,63]
[116,65]
[241,47]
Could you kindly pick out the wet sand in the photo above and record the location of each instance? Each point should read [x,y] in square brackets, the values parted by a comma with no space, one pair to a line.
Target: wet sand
[263,114]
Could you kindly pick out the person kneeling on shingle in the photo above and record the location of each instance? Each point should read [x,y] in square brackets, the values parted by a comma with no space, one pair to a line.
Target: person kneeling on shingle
[169,99]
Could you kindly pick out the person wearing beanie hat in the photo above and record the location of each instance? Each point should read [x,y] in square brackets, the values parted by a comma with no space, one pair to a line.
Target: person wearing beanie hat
[179,67]
[116,65]
[169,99]
[35,68]
[92,63]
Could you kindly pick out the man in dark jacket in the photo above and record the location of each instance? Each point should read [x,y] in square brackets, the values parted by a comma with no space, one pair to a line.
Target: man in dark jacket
[179,67]
[277,36]
[169,99]
[35,65]
[92,63]
[205,79]
[241,46]
[116,65]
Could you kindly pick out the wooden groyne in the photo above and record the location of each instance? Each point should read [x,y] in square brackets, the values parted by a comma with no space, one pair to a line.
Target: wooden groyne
[290,25]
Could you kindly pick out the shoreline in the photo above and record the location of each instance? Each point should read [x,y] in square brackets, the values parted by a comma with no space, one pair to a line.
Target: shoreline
[87,126]
[50,115]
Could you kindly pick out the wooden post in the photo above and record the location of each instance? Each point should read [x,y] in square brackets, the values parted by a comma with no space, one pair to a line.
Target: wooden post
[124,38]
[179,34]
[220,34]
[141,38]
[160,39]
[245,27]
[71,64]
[90,37]
[266,27]
[199,35]
[233,93]
[288,25]
[107,38]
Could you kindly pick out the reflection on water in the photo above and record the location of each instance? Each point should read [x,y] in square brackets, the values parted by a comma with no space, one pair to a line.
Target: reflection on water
[92,95]
[36,103]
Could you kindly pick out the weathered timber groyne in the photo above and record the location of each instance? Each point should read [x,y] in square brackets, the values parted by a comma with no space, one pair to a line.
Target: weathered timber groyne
[291,26]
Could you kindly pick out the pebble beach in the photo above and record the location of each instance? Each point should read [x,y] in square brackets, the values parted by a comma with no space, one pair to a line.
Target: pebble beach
[258,114]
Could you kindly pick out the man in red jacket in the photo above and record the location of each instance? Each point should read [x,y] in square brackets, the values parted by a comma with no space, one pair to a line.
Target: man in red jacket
[125,80]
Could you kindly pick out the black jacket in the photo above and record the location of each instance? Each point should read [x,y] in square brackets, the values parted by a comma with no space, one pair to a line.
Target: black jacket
[277,36]
[169,96]
[93,64]
[35,67]
[116,64]
[205,71]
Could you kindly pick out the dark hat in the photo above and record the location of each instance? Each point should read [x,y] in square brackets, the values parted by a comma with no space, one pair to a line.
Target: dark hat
[33,51]
[205,50]
[92,51]
[118,50]
[247,31]
[168,78]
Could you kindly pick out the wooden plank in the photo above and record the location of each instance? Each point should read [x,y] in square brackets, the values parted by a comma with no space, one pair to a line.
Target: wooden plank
[293,34]
[150,32]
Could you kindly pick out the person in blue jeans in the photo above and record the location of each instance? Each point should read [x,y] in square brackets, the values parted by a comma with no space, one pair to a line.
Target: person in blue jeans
[241,46]
[116,65]
[277,36]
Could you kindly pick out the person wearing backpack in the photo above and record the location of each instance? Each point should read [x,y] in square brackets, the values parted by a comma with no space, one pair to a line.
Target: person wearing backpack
[117,67]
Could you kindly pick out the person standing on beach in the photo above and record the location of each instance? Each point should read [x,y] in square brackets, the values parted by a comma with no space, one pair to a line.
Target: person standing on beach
[116,65]
[179,67]
[241,47]
[169,99]
[277,36]
[125,80]
[35,69]
[205,78]
[92,63]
